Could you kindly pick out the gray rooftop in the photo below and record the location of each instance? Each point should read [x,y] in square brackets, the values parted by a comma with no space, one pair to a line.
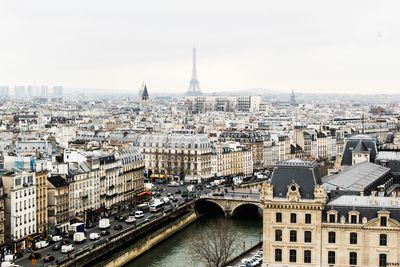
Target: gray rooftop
[388,155]
[354,177]
[363,201]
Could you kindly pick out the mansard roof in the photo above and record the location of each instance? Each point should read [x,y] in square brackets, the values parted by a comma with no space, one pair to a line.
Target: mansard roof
[304,173]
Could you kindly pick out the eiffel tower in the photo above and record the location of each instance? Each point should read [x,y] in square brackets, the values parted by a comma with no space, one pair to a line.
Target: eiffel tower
[194,85]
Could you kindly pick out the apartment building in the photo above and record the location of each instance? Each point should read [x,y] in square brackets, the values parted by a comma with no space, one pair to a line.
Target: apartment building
[58,204]
[302,227]
[132,164]
[176,156]
[20,208]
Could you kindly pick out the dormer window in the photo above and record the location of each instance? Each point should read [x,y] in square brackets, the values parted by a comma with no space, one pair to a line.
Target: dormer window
[383,221]
[332,216]
[383,216]
[353,216]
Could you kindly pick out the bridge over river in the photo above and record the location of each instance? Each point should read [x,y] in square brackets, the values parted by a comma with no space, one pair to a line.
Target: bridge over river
[230,202]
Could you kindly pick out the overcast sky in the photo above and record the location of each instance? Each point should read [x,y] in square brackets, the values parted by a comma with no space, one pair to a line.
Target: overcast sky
[310,46]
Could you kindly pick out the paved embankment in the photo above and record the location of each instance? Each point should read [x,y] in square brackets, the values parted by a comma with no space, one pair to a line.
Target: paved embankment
[247,254]
[99,254]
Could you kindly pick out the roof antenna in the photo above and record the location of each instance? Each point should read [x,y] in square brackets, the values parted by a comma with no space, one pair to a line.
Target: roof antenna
[362,123]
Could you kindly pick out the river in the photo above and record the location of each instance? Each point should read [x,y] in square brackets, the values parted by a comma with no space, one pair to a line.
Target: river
[173,252]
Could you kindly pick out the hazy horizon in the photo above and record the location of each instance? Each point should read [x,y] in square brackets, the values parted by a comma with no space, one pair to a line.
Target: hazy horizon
[309,46]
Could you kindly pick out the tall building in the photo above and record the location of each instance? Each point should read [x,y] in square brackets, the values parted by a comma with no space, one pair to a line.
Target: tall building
[43,91]
[4,91]
[194,85]
[19,91]
[292,99]
[58,91]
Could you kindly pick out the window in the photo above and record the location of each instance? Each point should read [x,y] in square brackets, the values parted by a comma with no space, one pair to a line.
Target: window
[293,236]
[353,238]
[307,256]
[307,236]
[278,217]
[331,257]
[278,254]
[382,240]
[382,260]
[331,237]
[332,218]
[293,217]
[353,258]
[278,235]
[292,255]
[383,221]
[353,218]
[308,219]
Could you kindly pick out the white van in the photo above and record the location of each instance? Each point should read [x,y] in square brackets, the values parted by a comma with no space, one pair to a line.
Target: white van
[67,248]
[9,257]
[9,264]
[139,214]
[79,237]
[94,236]
[41,244]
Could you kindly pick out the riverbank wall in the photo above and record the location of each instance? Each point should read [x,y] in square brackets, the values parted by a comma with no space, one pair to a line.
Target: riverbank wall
[151,240]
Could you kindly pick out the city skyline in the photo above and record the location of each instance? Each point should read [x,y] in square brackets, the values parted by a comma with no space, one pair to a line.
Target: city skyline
[310,47]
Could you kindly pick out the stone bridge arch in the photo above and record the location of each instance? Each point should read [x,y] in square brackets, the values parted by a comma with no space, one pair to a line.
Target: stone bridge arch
[252,205]
[229,206]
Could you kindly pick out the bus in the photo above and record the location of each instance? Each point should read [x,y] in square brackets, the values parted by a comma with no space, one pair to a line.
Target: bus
[156,207]
[143,207]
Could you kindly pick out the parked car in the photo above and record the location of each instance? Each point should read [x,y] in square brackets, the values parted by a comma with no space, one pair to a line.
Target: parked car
[94,236]
[56,247]
[118,227]
[130,220]
[139,214]
[104,233]
[56,238]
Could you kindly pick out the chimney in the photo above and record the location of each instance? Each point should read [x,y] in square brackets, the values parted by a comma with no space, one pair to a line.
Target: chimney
[393,199]
[372,198]
[362,190]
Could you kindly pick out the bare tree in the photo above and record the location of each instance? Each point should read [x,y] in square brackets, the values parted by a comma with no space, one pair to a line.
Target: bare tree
[215,245]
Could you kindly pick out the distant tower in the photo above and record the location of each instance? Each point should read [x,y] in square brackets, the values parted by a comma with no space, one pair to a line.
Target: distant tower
[194,85]
[145,94]
[293,99]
